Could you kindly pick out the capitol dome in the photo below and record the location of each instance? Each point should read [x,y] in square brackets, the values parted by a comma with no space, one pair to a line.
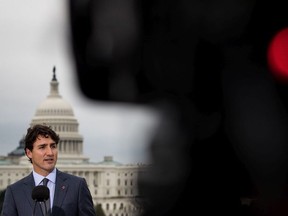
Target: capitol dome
[58,114]
[54,106]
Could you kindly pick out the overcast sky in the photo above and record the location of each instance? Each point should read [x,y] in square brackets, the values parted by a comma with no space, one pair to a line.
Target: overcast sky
[33,39]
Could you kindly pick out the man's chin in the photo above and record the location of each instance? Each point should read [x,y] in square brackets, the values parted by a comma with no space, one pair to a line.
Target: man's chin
[50,167]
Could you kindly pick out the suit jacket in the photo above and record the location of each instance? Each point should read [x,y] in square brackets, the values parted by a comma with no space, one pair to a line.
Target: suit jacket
[71,198]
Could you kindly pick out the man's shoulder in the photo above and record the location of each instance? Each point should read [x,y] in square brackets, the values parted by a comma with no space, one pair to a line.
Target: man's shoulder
[68,176]
[20,182]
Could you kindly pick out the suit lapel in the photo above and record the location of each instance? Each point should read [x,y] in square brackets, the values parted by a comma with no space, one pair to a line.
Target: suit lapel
[61,188]
[28,186]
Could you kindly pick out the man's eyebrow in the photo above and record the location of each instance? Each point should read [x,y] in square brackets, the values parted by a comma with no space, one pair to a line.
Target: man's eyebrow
[43,144]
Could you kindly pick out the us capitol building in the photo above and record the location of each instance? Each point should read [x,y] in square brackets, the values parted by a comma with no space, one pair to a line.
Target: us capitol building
[113,185]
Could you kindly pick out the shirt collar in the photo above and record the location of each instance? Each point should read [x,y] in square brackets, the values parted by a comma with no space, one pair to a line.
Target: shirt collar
[38,178]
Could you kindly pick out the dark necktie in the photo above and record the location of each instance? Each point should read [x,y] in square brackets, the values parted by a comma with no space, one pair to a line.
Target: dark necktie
[47,202]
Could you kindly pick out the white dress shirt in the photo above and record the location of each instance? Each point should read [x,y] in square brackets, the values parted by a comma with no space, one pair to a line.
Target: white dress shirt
[51,183]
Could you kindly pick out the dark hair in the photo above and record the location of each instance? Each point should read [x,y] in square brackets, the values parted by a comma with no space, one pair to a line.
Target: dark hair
[34,131]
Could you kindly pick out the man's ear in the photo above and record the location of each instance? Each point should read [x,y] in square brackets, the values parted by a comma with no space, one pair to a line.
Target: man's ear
[28,153]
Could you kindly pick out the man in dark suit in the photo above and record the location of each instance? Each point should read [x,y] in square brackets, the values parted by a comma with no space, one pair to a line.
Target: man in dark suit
[69,195]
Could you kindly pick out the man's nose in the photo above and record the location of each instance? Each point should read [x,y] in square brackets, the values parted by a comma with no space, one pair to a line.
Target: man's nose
[49,150]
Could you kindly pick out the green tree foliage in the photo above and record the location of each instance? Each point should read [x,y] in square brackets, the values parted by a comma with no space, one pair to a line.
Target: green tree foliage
[2,194]
[99,210]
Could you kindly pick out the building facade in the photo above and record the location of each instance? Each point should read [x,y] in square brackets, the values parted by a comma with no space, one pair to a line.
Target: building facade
[113,185]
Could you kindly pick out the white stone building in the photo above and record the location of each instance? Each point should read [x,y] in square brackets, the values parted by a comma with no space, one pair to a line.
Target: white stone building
[113,185]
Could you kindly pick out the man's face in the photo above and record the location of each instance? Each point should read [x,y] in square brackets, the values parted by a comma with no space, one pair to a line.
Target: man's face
[44,155]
